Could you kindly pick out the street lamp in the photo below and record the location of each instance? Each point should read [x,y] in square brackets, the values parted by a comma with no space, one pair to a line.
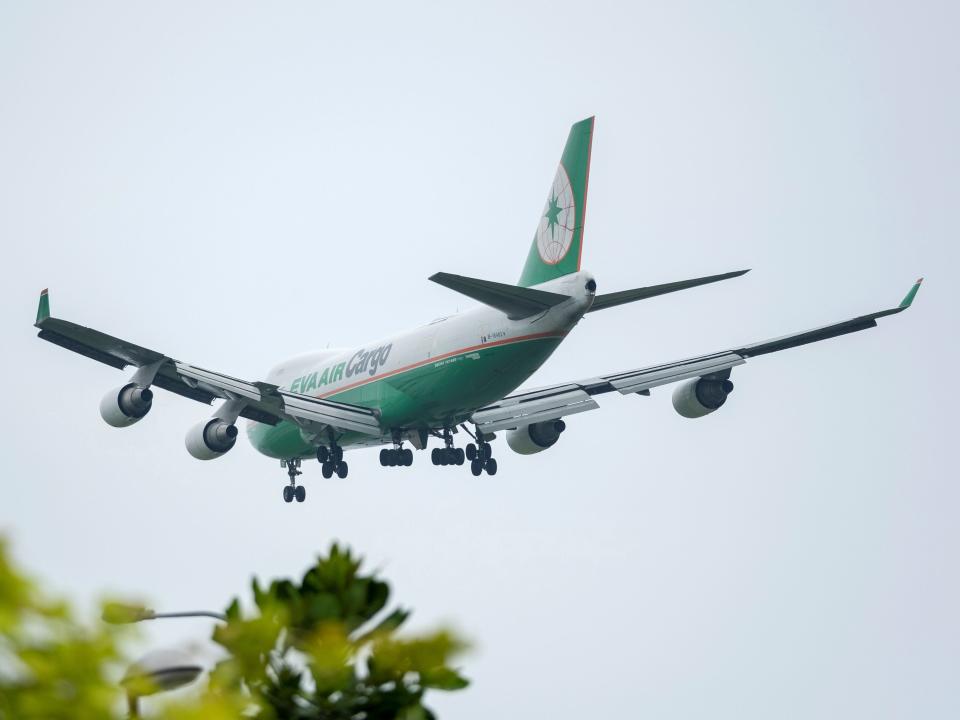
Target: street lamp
[158,671]
[121,614]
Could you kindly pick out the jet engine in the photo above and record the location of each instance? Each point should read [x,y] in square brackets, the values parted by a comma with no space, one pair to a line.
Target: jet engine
[211,438]
[125,405]
[700,396]
[535,438]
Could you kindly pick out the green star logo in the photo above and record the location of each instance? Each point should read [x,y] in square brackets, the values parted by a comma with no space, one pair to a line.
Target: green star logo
[553,213]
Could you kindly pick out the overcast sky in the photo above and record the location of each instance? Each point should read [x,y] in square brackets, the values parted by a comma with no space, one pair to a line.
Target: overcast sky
[237,183]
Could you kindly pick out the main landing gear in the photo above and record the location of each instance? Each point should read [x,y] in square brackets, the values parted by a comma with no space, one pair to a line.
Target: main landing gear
[293,491]
[331,461]
[479,455]
[448,454]
[398,456]
[481,458]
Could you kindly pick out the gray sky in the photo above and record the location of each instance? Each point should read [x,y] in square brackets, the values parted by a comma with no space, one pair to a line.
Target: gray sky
[236,183]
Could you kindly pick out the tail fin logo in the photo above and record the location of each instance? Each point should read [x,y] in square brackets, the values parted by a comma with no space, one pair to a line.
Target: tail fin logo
[555,231]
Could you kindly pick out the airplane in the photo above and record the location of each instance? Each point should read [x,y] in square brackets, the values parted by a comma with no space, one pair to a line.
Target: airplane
[456,372]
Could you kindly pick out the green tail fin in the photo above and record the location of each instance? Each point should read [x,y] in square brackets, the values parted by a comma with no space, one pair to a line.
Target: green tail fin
[558,242]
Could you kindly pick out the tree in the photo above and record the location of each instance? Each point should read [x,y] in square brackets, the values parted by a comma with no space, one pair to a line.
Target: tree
[51,665]
[323,648]
[317,650]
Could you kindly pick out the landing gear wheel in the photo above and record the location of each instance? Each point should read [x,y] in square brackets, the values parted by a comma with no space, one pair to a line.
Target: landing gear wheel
[322,454]
[300,493]
[406,457]
[288,493]
[491,466]
[336,453]
[435,456]
[327,469]
[342,469]
[385,457]
[484,452]
[471,451]
[476,467]
[459,456]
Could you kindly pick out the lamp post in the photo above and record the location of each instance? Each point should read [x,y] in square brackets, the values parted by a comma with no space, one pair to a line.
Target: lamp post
[159,670]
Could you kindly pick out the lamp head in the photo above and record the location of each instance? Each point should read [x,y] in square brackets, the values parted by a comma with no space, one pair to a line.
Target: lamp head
[159,671]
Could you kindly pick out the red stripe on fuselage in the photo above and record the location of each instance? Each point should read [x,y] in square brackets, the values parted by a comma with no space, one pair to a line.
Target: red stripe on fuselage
[472,348]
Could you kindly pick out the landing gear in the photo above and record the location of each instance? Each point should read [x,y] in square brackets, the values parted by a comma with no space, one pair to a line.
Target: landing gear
[480,455]
[331,460]
[396,457]
[293,491]
[447,456]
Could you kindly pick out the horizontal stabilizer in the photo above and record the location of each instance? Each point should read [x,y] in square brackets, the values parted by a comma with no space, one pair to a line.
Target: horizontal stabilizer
[609,300]
[516,302]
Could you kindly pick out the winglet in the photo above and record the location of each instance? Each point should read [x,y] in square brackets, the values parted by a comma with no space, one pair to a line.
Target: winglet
[908,300]
[43,309]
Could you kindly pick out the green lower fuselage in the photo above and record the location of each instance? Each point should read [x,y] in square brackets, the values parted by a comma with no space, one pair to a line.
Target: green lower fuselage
[430,378]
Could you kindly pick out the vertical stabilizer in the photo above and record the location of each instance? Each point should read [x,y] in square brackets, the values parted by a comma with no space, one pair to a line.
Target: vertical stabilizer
[558,241]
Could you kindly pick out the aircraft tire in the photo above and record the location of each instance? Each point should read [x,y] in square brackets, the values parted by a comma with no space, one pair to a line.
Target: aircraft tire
[323,454]
[491,466]
[476,467]
[459,455]
[471,452]
[384,457]
[407,457]
[327,469]
[435,456]
[288,493]
[342,469]
[300,493]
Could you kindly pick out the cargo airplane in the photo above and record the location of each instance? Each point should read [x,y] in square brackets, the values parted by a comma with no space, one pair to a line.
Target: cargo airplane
[456,373]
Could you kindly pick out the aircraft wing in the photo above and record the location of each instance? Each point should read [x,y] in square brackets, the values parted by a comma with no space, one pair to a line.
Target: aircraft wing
[550,403]
[262,401]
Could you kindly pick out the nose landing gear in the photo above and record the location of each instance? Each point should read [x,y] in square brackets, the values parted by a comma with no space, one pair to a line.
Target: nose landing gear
[293,491]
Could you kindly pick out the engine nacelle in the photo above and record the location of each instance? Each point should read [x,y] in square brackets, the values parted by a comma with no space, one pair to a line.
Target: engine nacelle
[700,396]
[125,405]
[210,439]
[535,438]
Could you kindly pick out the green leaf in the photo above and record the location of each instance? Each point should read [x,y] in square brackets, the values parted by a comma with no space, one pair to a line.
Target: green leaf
[443,678]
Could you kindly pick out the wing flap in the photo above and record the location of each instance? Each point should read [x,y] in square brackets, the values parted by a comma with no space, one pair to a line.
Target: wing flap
[218,381]
[330,413]
[514,413]
[638,381]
